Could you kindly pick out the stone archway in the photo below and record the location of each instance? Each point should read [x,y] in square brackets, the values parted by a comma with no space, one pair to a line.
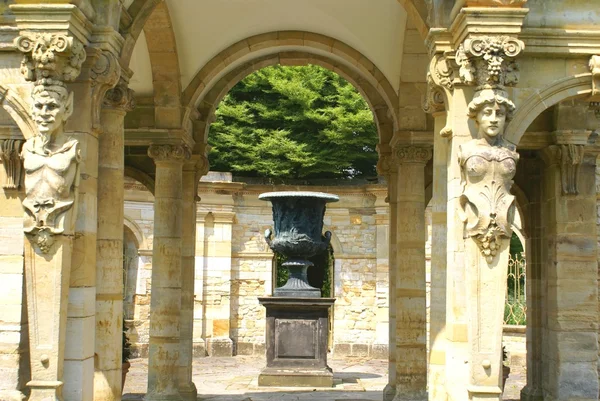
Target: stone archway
[220,74]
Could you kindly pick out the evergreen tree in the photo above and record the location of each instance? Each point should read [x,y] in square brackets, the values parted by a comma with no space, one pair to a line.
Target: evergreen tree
[294,122]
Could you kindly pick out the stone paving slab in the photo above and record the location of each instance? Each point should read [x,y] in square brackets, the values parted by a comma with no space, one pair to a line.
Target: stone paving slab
[236,379]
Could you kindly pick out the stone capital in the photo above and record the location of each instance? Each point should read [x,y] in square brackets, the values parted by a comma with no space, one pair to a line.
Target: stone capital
[569,157]
[594,65]
[412,154]
[488,61]
[48,55]
[169,153]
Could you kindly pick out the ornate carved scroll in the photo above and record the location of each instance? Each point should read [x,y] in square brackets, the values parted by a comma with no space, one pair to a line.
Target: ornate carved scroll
[440,84]
[10,154]
[488,61]
[413,154]
[167,153]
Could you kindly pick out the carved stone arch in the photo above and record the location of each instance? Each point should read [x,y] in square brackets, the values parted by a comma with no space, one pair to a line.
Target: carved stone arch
[137,232]
[221,73]
[534,105]
[152,16]
[335,241]
[18,110]
[208,105]
[140,177]
[417,12]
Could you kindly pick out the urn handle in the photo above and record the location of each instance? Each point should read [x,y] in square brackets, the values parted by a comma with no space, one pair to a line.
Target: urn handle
[268,233]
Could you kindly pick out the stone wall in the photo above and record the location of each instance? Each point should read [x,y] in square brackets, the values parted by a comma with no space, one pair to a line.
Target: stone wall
[234,266]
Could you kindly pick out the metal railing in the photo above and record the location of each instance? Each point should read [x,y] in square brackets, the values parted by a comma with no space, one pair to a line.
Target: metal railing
[515,308]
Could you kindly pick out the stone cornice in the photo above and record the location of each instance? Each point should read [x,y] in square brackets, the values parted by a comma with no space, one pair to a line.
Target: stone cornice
[481,21]
[157,136]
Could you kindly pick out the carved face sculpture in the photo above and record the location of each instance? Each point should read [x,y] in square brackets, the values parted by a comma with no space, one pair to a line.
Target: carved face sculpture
[51,108]
[490,120]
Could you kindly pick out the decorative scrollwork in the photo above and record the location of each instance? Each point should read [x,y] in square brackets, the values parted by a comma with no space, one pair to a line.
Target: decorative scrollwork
[162,153]
[50,55]
[413,154]
[10,155]
[487,61]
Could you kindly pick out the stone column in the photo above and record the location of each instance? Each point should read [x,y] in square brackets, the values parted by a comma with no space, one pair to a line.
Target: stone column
[388,168]
[165,306]
[410,288]
[570,346]
[530,171]
[439,237]
[109,254]
[191,175]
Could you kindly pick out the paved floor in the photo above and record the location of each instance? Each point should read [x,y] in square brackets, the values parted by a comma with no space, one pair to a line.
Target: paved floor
[235,379]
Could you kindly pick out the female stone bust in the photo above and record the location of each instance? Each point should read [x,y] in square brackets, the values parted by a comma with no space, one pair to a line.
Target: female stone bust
[50,159]
[487,166]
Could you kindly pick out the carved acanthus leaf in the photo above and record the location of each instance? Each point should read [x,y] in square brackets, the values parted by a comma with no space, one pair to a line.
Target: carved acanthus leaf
[488,61]
[165,153]
[50,55]
[10,151]
[385,164]
[434,98]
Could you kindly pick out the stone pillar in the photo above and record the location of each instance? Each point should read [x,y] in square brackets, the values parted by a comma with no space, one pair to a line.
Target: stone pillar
[191,175]
[570,346]
[410,289]
[109,254]
[437,326]
[165,306]
[388,168]
[535,287]
[217,283]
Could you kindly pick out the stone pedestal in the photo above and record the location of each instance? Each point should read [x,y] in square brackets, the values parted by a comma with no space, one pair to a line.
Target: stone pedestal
[297,332]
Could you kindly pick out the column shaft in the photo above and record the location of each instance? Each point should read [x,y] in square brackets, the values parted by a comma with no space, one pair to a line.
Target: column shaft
[109,257]
[437,326]
[165,306]
[187,388]
[570,346]
[390,389]
[410,288]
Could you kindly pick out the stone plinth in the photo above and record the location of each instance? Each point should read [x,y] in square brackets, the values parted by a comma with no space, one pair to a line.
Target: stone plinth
[297,331]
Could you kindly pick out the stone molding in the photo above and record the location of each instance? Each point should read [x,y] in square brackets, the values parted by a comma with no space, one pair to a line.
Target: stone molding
[169,153]
[488,61]
[50,55]
[10,154]
[495,3]
[412,154]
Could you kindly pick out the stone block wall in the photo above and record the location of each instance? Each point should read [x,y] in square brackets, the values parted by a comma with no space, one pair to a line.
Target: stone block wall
[234,266]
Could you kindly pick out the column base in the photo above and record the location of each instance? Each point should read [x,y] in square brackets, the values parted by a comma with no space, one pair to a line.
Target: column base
[419,396]
[300,377]
[163,397]
[531,394]
[189,392]
[219,346]
[389,392]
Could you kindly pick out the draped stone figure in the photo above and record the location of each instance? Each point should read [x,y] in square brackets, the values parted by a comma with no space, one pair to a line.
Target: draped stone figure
[51,161]
[488,165]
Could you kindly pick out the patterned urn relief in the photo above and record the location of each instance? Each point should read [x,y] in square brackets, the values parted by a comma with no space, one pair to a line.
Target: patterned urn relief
[488,165]
[50,158]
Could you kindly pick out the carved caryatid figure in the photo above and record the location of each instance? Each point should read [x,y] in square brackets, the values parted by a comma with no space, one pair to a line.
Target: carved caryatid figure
[488,165]
[51,160]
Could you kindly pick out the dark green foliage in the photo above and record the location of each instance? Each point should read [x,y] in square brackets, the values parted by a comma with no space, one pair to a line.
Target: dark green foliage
[126,345]
[294,122]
